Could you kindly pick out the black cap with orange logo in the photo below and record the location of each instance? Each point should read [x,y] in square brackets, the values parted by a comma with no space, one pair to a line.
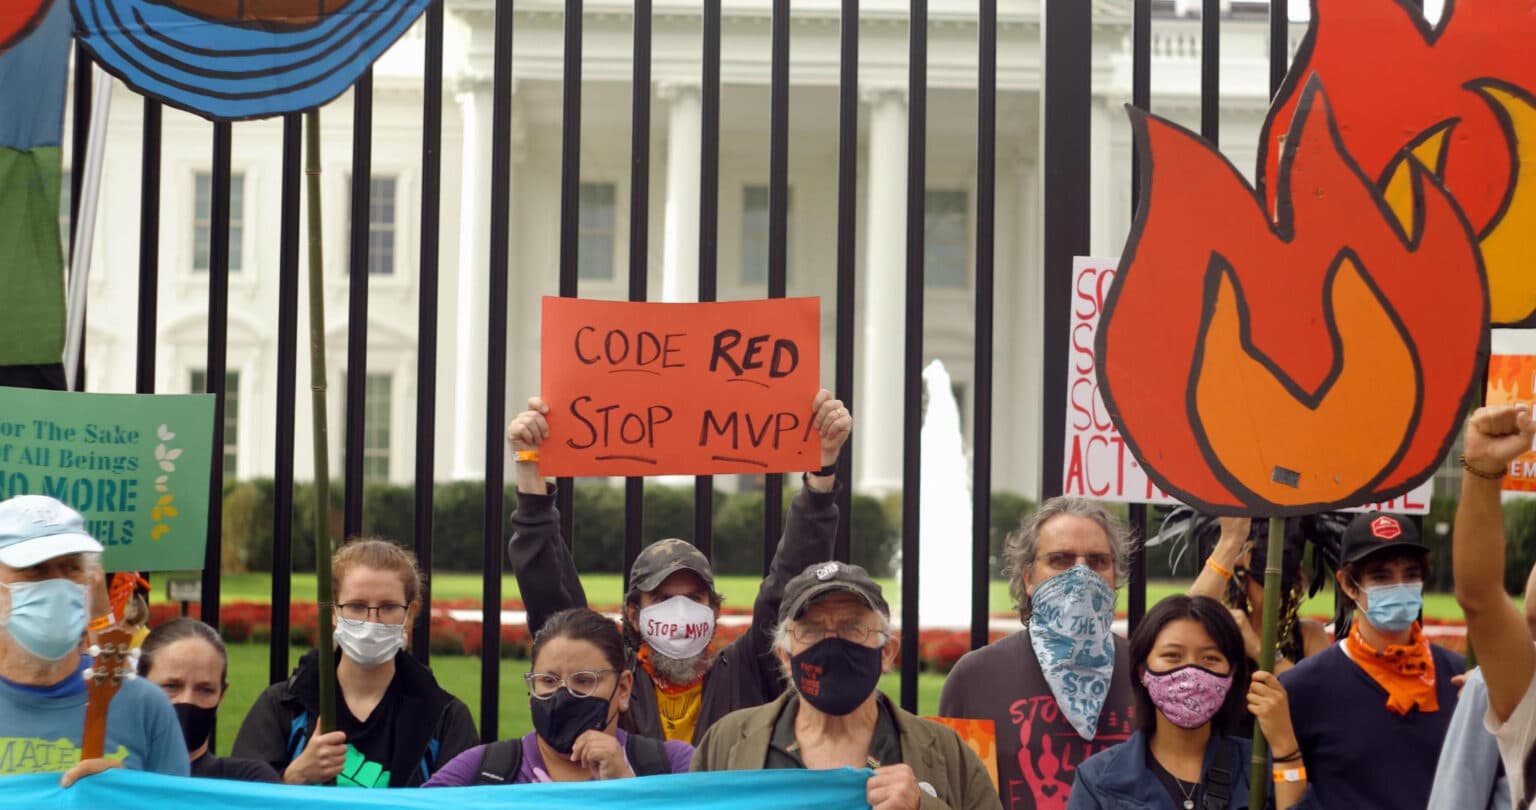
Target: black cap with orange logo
[1371,532]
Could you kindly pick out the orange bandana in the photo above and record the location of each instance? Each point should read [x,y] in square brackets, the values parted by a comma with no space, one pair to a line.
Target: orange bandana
[1406,671]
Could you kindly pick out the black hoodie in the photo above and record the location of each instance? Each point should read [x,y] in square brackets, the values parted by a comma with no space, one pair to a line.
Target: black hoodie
[430,726]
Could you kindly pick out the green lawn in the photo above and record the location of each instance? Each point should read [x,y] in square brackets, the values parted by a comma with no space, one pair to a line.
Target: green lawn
[460,675]
[607,590]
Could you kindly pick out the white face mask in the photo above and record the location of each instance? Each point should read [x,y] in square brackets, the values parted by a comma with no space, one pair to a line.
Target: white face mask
[678,627]
[369,644]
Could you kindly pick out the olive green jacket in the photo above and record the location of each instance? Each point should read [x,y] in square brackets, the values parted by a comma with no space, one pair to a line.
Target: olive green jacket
[739,742]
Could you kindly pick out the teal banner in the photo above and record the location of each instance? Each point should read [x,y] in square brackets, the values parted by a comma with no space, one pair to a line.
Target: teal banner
[136,466]
[726,790]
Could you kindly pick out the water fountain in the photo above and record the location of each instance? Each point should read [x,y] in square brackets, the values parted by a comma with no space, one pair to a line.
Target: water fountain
[944,519]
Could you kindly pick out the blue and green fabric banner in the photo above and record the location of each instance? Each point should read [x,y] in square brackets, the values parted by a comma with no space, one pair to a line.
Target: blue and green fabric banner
[727,790]
[34,62]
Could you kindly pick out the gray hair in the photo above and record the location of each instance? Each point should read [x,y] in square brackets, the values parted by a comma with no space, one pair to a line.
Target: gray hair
[1022,544]
[781,641]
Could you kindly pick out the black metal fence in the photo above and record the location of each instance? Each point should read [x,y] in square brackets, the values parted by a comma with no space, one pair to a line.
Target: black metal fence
[1067,93]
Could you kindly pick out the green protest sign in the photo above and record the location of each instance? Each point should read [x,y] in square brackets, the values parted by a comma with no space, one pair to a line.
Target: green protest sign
[136,466]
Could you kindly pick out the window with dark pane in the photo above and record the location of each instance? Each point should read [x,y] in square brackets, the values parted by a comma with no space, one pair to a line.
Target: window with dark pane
[202,222]
[381,226]
[945,245]
[754,233]
[594,253]
[378,394]
[199,385]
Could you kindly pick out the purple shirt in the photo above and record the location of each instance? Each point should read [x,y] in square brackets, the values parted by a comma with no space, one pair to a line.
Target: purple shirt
[462,769]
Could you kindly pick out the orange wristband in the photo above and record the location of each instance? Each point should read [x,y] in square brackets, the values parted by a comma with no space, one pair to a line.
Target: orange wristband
[1225,572]
[100,623]
[1290,775]
[527,455]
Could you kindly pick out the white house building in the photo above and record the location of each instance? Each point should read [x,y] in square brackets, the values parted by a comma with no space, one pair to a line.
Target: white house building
[395,203]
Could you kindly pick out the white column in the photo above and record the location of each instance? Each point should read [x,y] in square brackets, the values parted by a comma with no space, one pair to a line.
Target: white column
[471,337]
[1108,219]
[680,246]
[879,400]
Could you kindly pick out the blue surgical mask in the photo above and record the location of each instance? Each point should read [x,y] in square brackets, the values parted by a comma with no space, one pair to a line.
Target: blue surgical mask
[1069,629]
[47,618]
[1395,607]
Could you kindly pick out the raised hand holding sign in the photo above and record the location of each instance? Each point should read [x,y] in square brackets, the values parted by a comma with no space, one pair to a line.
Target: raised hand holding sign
[680,389]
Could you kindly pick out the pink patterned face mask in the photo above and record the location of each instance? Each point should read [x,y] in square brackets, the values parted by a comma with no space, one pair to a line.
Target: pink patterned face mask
[1188,696]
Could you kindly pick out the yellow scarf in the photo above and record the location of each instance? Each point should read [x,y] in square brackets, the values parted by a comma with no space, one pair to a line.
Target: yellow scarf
[676,706]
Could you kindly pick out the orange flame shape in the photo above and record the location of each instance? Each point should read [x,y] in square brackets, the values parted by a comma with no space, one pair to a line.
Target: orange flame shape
[1321,361]
[1393,80]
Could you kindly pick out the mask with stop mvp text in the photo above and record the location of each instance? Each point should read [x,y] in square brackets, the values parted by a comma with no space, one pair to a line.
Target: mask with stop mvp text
[678,627]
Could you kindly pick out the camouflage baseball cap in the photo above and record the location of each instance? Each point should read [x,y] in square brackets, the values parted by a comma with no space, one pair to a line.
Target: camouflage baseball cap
[664,558]
[820,579]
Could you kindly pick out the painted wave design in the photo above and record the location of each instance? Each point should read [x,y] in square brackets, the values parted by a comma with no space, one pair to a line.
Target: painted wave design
[235,71]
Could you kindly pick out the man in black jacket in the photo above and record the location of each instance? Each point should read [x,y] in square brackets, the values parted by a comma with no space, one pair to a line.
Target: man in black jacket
[681,687]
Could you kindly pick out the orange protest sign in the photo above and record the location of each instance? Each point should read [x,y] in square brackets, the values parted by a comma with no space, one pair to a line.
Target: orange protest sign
[1512,380]
[680,389]
[980,735]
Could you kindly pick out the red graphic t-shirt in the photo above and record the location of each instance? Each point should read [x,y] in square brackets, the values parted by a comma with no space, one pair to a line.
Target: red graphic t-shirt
[1038,751]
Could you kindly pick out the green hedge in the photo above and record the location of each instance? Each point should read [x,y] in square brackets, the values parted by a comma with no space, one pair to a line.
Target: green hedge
[458,508]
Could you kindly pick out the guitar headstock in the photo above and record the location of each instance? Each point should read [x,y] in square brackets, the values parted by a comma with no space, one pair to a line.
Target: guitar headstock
[113,660]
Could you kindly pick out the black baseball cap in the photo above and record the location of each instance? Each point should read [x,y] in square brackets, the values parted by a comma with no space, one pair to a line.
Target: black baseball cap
[1371,532]
[664,558]
[821,579]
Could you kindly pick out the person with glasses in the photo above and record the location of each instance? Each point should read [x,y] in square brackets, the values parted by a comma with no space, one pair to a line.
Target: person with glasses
[578,688]
[833,641]
[394,725]
[684,681]
[1058,691]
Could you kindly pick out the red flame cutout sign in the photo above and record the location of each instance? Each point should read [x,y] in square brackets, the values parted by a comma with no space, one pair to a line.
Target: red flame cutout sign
[1318,361]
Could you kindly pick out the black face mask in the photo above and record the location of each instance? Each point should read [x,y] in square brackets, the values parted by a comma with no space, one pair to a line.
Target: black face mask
[835,675]
[196,722]
[560,719]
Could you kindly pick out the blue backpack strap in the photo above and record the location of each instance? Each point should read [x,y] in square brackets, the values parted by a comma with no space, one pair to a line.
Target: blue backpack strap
[429,759]
[296,736]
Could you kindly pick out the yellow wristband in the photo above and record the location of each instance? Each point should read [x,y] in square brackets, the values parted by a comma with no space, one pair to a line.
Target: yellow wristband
[1225,572]
[527,455]
[1290,775]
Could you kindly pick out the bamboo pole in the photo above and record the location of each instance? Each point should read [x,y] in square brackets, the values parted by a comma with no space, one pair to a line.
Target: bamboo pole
[323,541]
[1258,776]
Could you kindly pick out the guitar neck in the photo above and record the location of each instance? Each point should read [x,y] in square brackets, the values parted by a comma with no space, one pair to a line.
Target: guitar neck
[93,741]
[113,660]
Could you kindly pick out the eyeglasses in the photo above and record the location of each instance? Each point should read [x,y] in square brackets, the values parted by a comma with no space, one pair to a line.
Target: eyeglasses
[388,613]
[1062,560]
[543,685]
[851,631]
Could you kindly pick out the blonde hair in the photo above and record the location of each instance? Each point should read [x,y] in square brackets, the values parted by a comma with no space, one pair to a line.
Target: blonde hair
[380,555]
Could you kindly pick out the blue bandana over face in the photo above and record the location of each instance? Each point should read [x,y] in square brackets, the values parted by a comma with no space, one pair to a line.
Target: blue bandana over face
[1069,627]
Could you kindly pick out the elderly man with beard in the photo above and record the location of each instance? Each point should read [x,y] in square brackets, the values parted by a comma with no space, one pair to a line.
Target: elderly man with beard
[46,558]
[682,686]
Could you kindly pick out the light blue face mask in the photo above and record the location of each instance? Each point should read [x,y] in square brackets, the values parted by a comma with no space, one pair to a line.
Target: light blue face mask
[47,618]
[1395,607]
[1069,628]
